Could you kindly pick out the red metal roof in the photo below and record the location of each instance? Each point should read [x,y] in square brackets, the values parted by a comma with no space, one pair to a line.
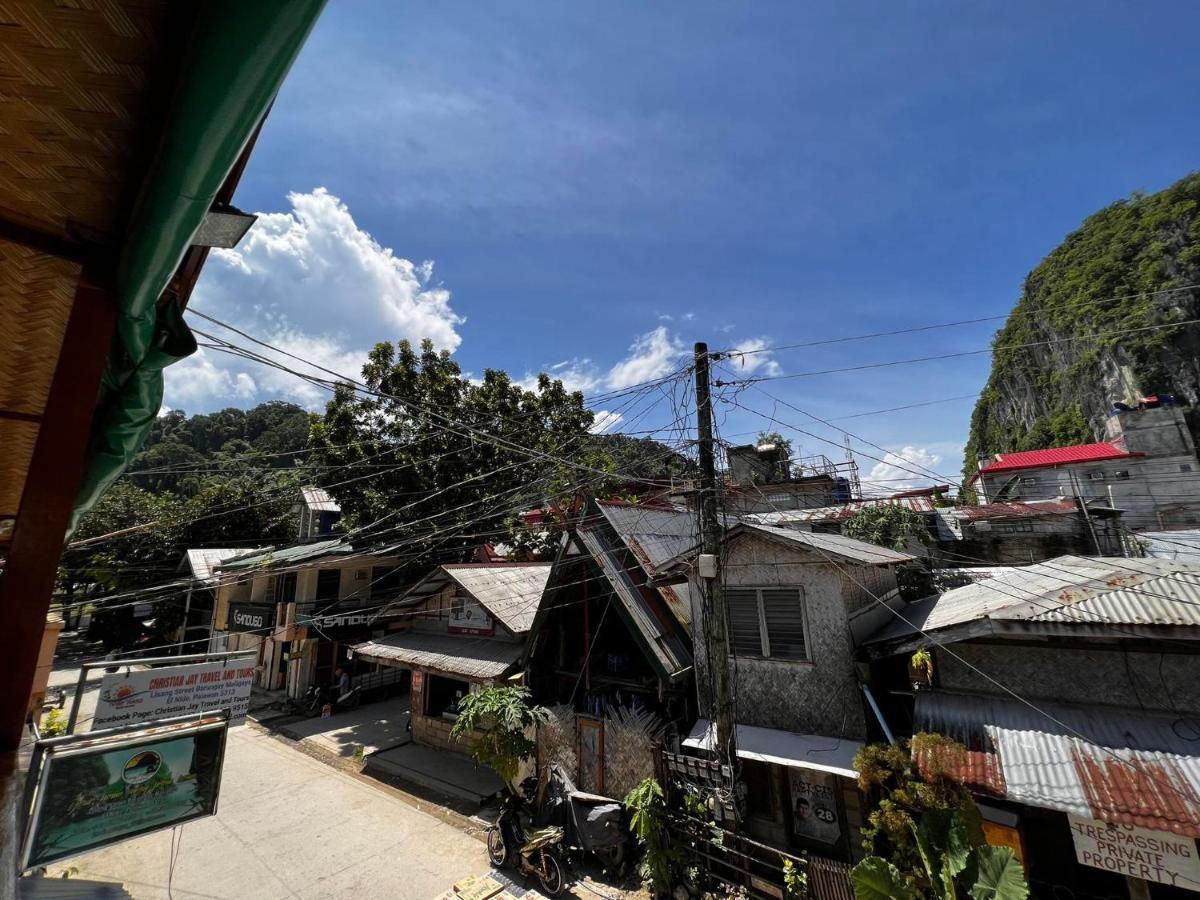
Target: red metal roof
[1055,456]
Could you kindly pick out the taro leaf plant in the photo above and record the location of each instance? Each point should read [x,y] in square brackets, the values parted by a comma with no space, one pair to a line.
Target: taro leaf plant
[496,721]
[956,862]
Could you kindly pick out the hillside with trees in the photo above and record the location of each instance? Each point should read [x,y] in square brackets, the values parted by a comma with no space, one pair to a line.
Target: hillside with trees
[1077,341]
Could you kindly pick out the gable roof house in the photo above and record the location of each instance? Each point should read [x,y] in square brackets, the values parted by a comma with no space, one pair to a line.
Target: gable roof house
[604,634]
[798,602]
[464,626]
[1074,685]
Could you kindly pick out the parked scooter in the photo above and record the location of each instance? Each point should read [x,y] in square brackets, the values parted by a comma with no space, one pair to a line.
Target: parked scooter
[536,853]
[591,823]
[316,698]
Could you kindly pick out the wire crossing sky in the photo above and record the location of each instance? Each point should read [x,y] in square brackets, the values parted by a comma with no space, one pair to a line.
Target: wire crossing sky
[588,188]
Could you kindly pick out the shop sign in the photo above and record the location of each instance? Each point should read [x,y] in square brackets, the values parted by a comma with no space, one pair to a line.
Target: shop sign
[251,617]
[814,805]
[335,620]
[1157,856]
[143,695]
[92,793]
[470,618]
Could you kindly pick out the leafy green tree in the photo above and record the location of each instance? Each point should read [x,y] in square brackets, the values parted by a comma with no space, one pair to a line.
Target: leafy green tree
[896,527]
[451,458]
[497,722]
[664,861]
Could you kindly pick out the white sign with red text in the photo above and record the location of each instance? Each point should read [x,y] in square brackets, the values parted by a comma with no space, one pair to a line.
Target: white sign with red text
[143,695]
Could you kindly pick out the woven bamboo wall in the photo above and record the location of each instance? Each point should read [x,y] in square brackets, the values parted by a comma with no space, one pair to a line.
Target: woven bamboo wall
[78,84]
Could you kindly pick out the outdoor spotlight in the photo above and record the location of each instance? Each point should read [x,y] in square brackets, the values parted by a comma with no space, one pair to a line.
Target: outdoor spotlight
[223,227]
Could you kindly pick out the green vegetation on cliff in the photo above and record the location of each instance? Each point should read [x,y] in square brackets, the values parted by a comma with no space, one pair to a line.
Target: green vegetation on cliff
[1070,347]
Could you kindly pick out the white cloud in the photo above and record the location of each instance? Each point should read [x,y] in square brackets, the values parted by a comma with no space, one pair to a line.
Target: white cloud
[315,284]
[902,470]
[606,421]
[578,374]
[315,266]
[651,356]
[752,357]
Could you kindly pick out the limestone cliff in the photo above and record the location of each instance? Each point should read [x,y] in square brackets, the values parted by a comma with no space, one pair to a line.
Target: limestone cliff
[1071,346]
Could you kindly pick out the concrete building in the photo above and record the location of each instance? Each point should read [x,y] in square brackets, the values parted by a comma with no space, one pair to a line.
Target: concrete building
[1073,687]
[798,602]
[302,607]
[1147,468]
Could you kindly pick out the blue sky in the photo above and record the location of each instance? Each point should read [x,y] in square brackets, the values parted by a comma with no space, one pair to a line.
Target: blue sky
[595,186]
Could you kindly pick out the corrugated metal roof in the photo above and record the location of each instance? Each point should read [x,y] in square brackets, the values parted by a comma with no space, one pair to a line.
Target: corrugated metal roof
[1120,766]
[1016,509]
[1071,589]
[202,561]
[1054,456]
[918,504]
[669,652]
[511,593]
[1181,545]
[656,534]
[318,499]
[783,748]
[846,548]
[466,657]
[281,556]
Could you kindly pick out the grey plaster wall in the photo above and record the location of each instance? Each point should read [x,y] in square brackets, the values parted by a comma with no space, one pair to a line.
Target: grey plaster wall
[820,696]
[1167,682]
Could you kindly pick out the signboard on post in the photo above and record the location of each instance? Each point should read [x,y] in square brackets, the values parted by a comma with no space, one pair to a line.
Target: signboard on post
[245,617]
[92,792]
[1134,852]
[128,698]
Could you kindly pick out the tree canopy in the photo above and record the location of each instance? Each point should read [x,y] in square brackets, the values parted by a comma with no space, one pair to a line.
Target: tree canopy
[450,458]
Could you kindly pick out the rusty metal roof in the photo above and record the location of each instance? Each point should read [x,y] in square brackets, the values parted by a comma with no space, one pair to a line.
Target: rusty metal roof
[655,535]
[1066,590]
[1116,765]
[511,592]
[1017,509]
[466,657]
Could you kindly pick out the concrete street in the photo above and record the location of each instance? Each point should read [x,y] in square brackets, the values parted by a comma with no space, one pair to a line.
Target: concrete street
[290,826]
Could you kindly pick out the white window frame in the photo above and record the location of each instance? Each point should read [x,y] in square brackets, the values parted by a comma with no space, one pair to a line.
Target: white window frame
[764,635]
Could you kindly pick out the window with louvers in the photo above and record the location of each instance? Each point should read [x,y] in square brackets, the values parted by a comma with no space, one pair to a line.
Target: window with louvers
[745,629]
[766,622]
[783,613]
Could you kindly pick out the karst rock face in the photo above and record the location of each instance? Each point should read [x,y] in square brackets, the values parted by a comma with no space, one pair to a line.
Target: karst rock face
[1077,340]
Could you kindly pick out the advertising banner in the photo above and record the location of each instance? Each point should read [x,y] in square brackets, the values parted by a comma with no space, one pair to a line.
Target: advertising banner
[95,793]
[468,617]
[127,698]
[251,617]
[814,805]
[1137,852]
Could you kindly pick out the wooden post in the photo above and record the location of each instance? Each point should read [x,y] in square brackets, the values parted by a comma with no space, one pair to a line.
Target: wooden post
[51,484]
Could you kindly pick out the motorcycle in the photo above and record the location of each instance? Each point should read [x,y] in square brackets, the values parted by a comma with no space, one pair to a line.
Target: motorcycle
[592,824]
[536,853]
[316,698]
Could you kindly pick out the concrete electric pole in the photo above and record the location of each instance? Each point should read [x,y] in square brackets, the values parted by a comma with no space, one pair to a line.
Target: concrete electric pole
[711,536]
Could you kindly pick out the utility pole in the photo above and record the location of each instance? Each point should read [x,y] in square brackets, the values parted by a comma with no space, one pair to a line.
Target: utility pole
[711,536]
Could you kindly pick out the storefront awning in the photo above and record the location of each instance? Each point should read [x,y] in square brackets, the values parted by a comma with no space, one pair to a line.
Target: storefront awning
[1121,766]
[783,748]
[464,657]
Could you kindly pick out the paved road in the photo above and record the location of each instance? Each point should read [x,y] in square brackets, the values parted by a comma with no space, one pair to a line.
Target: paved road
[290,826]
